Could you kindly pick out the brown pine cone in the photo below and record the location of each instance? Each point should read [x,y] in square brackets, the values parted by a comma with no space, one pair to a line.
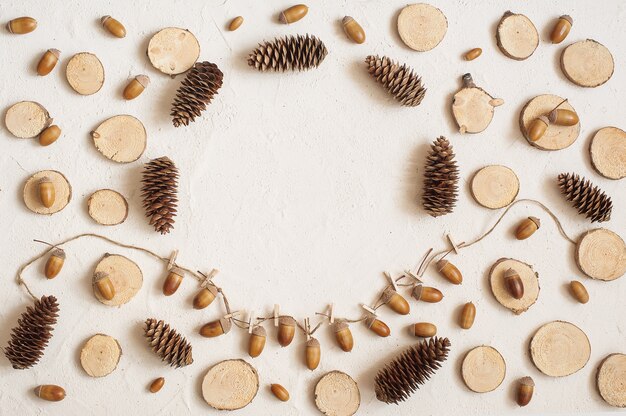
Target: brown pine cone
[167,343]
[201,83]
[441,178]
[400,81]
[296,53]
[586,198]
[160,187]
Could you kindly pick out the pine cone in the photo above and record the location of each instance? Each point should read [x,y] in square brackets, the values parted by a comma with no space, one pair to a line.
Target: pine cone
[159,193]
[586,198]
[400,378]
[441,176]
[33,331]
[195,92]
[167,343]
[296,53]
[400,81]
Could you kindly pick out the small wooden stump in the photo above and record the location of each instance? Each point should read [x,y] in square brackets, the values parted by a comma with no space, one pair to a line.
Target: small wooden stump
[173,50]
[62,190]
[587,63]
[529,277]
[611,379]
[26,119]
[517,36]
[555,137]
[495,186]
[608,152]
[337,394]
[85,73]
[125,275]
[422,26]
[472,107]
[601,254]
[120,138]
[107,207]
[483,369]
[230,385]
[559,349]
[100,355]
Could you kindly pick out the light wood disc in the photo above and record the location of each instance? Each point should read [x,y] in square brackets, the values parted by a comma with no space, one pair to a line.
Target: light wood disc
[529,277]
[100,355]
[601,254]
[121,138]
[587,63]
[173,50]
[337,394]
[230,385]
[517,36]
[483,369]
[107,207]
[495,186]
[611,380]
[608,152]
[62,190]
[26,119]
[125,275]
[559,349]
[85,73]
[473,107]
[555,137]
[422,26]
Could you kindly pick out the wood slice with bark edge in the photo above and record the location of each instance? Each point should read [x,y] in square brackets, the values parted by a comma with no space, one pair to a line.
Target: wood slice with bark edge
[120,138]
[62,190]
[85,73]
[495,186]
[337,394]
[555,137]
[107,207]
[483,369]
[611,379]
[26,119]
[125,275]
[587,63]
[230,385]
[559,349]
[517,36]
[100,355]
[422,26]
[529,277]
[601,254]
[472,107]
[173,50]
[608,152]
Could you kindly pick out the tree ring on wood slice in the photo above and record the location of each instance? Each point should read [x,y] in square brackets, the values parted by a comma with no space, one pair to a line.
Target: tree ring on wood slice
[483,369]
[121,138]
[555,137]
[107,207]
[85,73]
[125,276]
[611,379]
[230,385]
[337,394]
[495,186]
[559,349]
[517,36]
[62,191]
[529,277]
[587,63]
[422,26]
[601,254]
[472,107]
[173,50]
[100,355]
[26,119]
[608,152]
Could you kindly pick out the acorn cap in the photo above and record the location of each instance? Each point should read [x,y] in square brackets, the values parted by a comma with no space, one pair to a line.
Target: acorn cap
[99,276]
[340,325]
[58,252]
[417,292]
[44,179]
[370,320]
[568,18]
[144,80]
[226,325]
[178,271]
[510,272]
[312,343]
[388,294]
[104,18]
[211,289]
[287,321]
[441,264]
[259,331]
[544,119]
[536,221]
[527,381]
[55,52]
[346,20]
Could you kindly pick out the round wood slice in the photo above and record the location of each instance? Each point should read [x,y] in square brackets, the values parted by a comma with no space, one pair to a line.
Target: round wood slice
[587,63]
[120,138]
[173,50]
[517,36]
[85,73]
[100,355]
[230,385]
[422,26]
[125,275]
[529,277]
[62,190]
[495,186]
[472,107]
[483,369]
[107,207]
[611,380]
[26,119]
[555,137]
[608,152]
[601,254]
[559,349]
[337,394]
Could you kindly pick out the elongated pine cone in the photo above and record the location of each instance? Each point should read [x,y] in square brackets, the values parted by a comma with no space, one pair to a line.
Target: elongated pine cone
[441,178]
[160,187]
[196,91]
[403,376]
[400,81]
[295,53]
[167,343]
[34,329]
[586,198]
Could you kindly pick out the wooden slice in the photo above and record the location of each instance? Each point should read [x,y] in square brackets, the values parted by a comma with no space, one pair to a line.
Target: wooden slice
[100,355]
[337,394]
[517,36]
[85,73]
[62,190]
[230,385]
[483,369]
[559,349]
[587,63]
[107,207]
[422,26]
[120,138]
[529,277]
[601,254]
[608,152]
[555,137]
[125,275]
[495,186]
[611,380]
[472,107]
[173,50]
[26,119]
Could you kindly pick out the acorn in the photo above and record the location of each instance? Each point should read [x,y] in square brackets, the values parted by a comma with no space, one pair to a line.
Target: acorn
[48,61]
[468,314]
[50,392]
[449,271]
[280,392]
[204,297]
[579,291]
[54,264]
[353,29]
[527,227]
[538,128]
[561,29]
[513,283]
[525,390]
[286,330]
[104,285]
[293,14]
[173,281]
[312,353]
[395,301]
[473,54]
[22,25]
[136,86]
[113,26]
[235,23]
[424,330]
[377,326]
[49,135]
[46,191]
[562,117]
[257,341]
[427,294]
[216,328]
[157,385]
[343,335]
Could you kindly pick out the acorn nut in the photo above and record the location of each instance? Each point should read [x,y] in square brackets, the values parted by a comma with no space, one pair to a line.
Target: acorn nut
[48,61]
[104,285]
[173,281]
[54,264]
[50,392]
[293,14]
[468,314]
[204,297]
[525,389]
[22,25]
[395,301]
[353,29]
[280,392]
[378,327]
[113,26]
[343,335]
[427,294]
[286,330]
[473,54]
[561,29]
[157,385]
[49,135]
[527,227]
[450,272]
[424,330]
[513,283]
[46,191]
[235,23]
[562,117]
[579,291]
[538,128]
[136,86]
[257,341]
[216,328]
[313,353]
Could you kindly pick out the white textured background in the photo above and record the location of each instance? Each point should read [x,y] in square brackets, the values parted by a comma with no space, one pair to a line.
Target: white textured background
[301,188]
